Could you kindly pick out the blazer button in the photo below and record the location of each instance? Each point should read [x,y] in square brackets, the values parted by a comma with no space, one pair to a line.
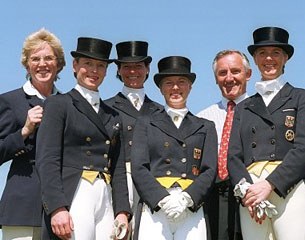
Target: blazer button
[105,169]
[105,155]
[168,172]
[107,142]
[272,127]
[88,153]
[166,144]
[130,143]
[183,145]
[183,175]
[253,144]
[129,128]
[167,161]
[88,139]
[183,160]
[253,130]
[272,155]
[272,141]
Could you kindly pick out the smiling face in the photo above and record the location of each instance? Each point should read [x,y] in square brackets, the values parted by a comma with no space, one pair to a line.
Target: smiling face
[89,72]
[231,75]
[270,61]
[175,90]
[133,74]
[42,65]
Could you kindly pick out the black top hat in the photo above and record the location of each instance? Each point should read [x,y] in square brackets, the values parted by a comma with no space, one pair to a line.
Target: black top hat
[271,36]
[132,51]
[174,66]
[93,48]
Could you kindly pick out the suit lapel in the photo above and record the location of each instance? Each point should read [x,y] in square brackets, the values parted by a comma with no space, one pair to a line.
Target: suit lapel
[281,98]
[34,100]
[84,107]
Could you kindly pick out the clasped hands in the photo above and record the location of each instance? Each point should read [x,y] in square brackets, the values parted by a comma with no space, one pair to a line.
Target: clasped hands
[174,205]
[257,208]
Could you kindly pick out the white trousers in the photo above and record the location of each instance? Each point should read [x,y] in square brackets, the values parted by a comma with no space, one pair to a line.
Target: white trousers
[92,211]
[133,198]
[21,233]
[288,224]
[156,226]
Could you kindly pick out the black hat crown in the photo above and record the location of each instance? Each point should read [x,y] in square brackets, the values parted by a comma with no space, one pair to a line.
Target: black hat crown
[93,48]
[132,51]
[271,36]
[174,66]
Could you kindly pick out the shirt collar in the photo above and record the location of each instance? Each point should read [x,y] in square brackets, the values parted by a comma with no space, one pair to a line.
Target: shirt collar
[30,90]
[92,97]
[224,101]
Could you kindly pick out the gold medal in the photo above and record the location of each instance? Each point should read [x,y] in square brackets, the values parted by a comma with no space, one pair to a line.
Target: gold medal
[289,135]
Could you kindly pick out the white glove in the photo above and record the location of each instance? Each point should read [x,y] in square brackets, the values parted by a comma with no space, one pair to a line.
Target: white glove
[264,207]
[177,203]
[119,230]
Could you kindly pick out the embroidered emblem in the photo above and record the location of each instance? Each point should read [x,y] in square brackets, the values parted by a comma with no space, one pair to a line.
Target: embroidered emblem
[197,153]
[289,121]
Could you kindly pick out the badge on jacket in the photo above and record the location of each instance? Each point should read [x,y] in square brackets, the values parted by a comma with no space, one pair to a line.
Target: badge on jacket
[197,153]
[289,135]
[289,121]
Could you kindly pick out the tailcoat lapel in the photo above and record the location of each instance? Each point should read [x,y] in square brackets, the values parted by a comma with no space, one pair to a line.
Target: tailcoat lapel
[281,98]
[163,121]
[257,106]
[84,107]
[189,125]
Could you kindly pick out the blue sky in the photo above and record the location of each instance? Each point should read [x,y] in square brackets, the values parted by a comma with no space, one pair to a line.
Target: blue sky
[196,29]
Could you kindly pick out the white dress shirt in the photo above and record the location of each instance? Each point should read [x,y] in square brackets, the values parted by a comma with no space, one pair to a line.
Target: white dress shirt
[134,94]
[268,89]
[177,115]
[217,113]
[92,97]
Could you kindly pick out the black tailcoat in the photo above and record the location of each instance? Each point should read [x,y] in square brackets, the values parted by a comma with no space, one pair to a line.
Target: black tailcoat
[276,132]
[162,150]
[129,116]
[20,202]
[72,138]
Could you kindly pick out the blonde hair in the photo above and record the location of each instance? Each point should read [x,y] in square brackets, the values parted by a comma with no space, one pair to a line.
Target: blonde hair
[35,40]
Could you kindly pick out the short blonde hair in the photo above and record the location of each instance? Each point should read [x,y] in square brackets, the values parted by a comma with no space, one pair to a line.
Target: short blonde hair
[35,40]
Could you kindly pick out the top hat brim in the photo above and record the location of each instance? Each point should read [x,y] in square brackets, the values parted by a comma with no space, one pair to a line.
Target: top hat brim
[159,76]
[135,59]
[286,47]
[76,54]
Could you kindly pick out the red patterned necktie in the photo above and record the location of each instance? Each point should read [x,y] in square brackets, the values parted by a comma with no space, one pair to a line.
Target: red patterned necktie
[223,149]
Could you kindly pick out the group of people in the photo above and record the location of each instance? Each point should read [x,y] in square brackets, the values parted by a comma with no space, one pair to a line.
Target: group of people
[129,168]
